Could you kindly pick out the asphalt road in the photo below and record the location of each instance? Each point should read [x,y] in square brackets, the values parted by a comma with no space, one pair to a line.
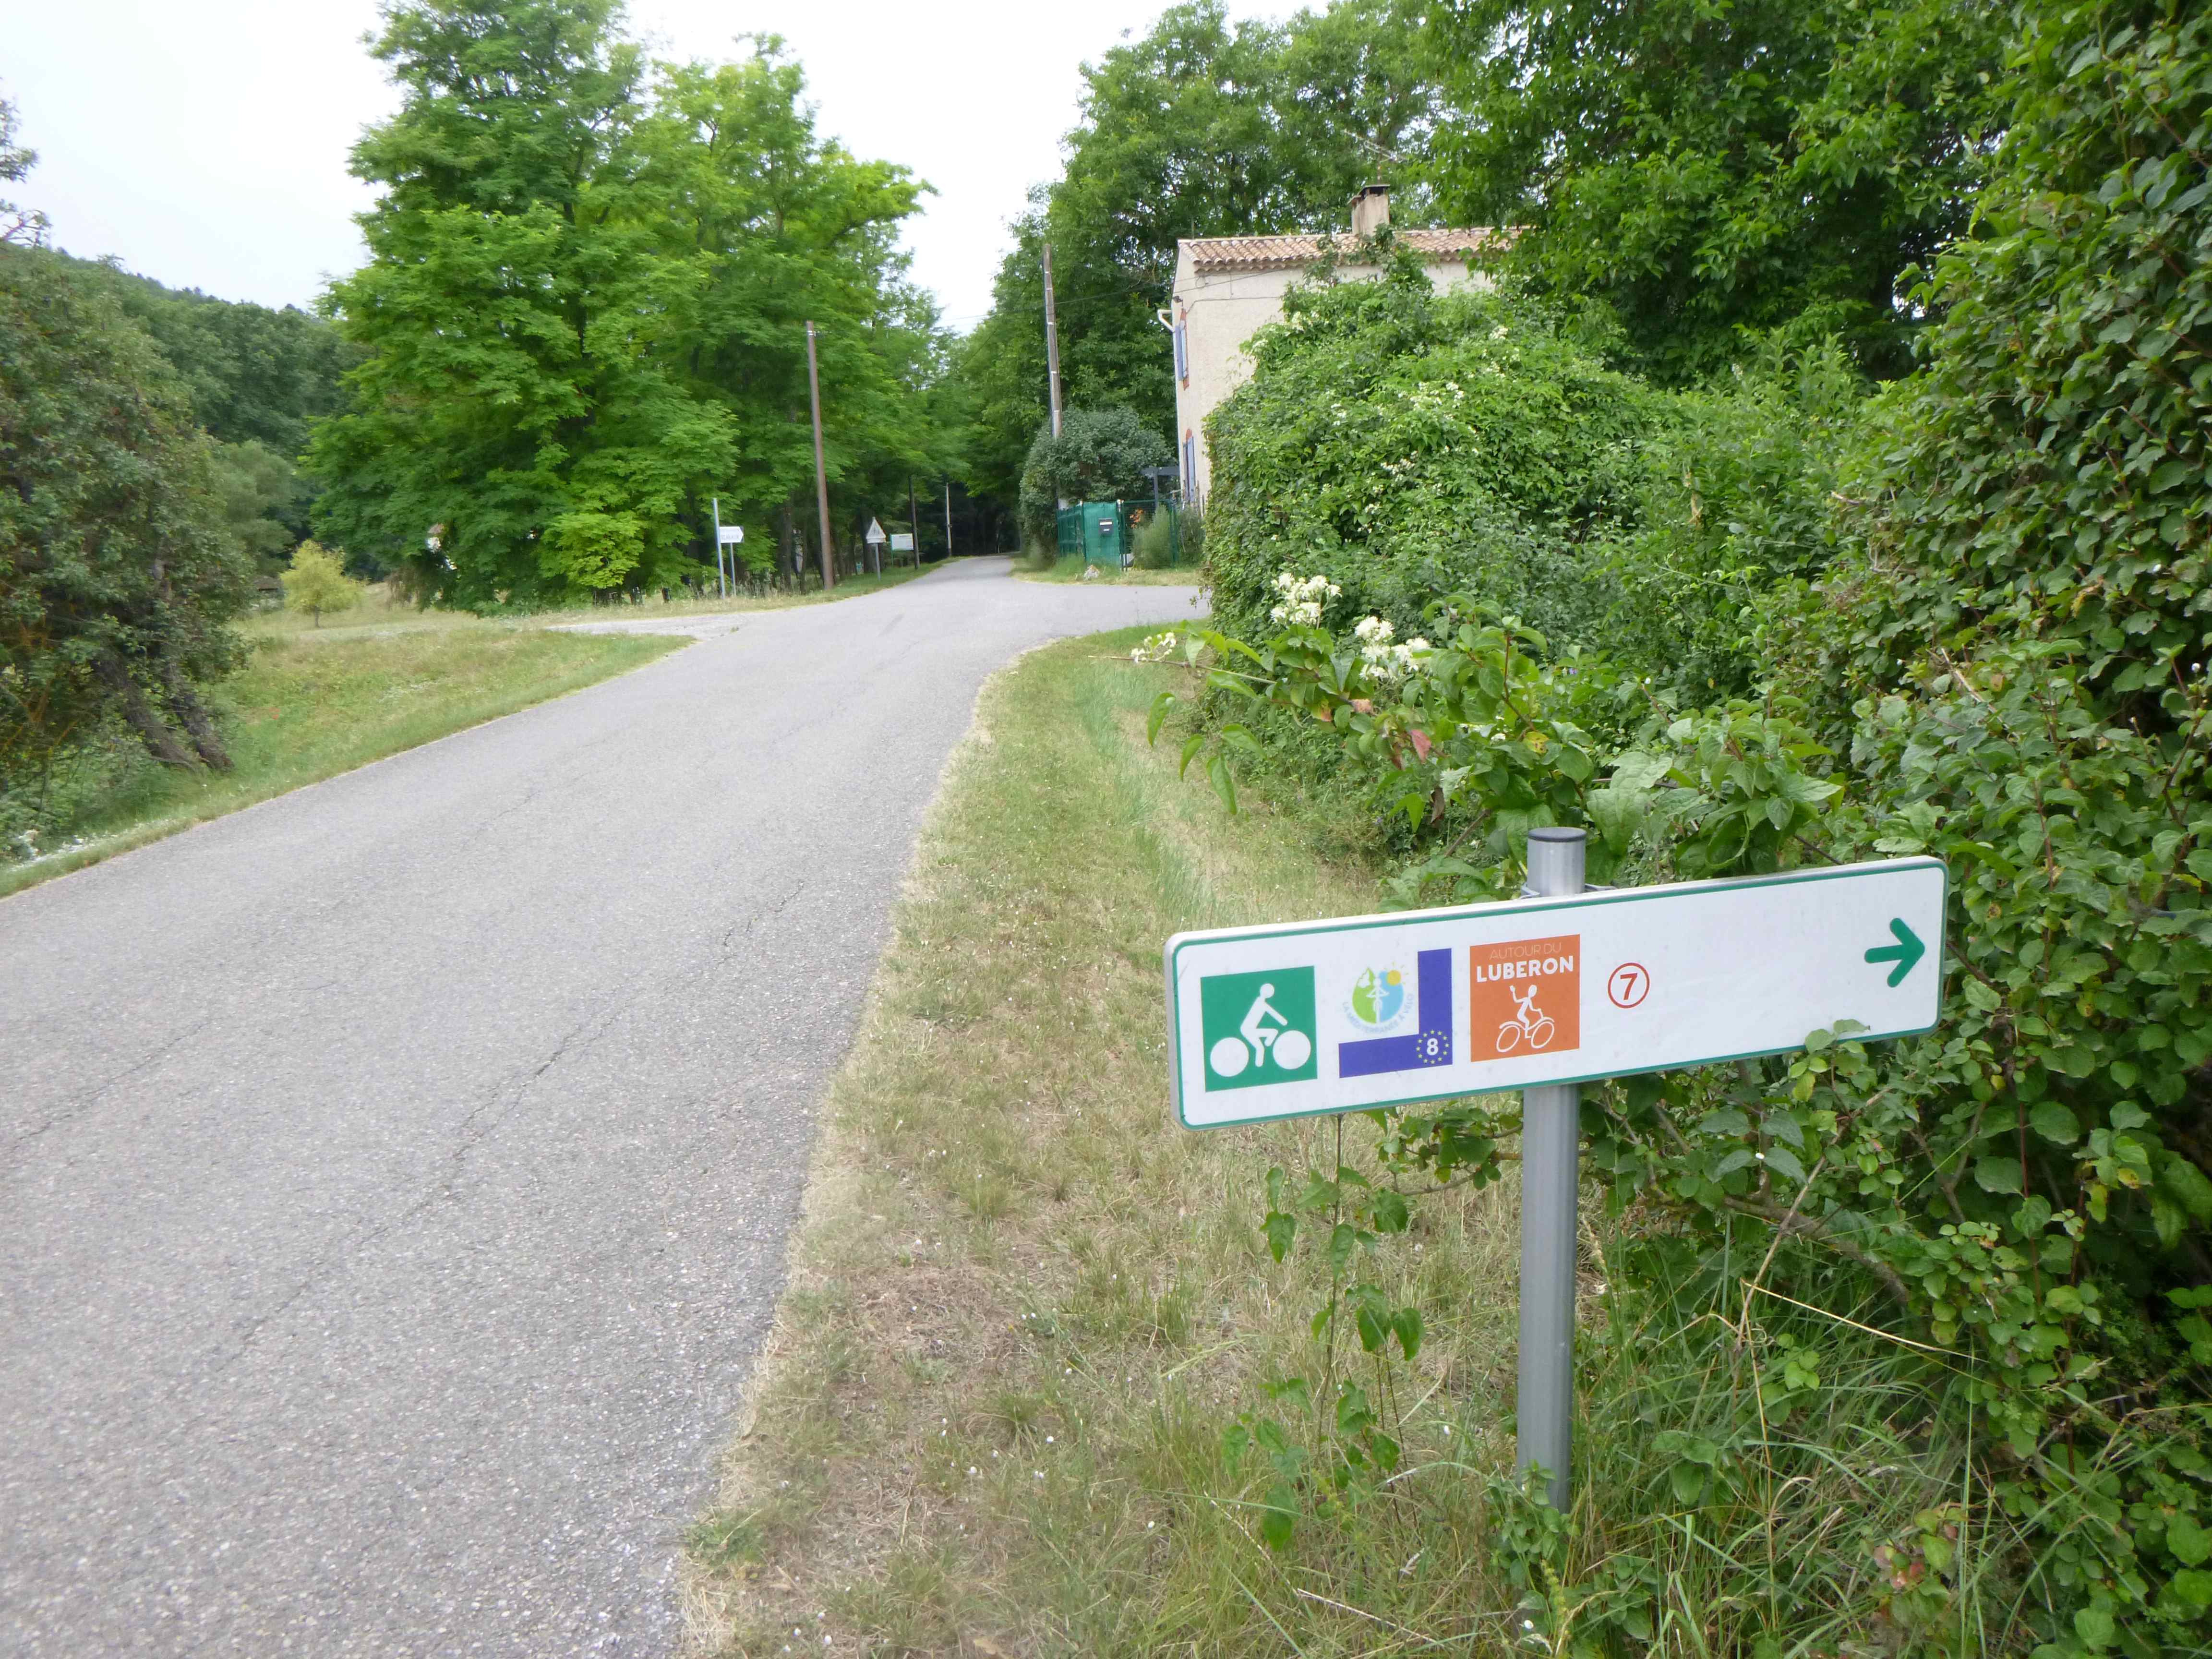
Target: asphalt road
[394,1176]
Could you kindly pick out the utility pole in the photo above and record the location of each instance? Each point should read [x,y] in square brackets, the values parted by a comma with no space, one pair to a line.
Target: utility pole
[821,478]
[948,518]
[1051,340]
[914,521]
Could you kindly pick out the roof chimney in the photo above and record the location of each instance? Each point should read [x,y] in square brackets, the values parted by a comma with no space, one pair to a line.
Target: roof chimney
[1371,211]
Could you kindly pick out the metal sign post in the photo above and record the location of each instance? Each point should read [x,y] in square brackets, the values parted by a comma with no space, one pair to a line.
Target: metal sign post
[725,535]
[1559,987]
[1550,1186]
[721,588]
[875,540]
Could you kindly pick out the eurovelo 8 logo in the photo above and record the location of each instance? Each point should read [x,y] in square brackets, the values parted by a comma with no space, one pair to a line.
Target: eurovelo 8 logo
[1428,1043]
[1526,996]
[1381,998]
[1258,1028]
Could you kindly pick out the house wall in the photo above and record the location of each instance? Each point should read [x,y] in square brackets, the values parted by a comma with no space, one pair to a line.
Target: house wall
[1219,312]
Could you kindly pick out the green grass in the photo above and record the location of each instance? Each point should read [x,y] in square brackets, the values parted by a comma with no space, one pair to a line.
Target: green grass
[380,612]
[848,588]
[316,698]
[309,704]
[1068,568]
[1024,1307]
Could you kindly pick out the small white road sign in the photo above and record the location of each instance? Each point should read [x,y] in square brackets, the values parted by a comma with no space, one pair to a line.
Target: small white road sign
[875,536]
[1377,1011]
[731,534]
[901,542]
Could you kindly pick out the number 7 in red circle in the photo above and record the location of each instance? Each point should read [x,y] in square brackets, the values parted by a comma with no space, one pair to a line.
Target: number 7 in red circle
[1628,985]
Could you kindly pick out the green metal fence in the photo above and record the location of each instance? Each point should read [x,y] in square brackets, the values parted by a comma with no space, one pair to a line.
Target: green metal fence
[1112,533]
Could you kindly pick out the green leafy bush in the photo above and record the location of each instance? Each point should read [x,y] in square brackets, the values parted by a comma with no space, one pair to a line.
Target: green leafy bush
[117,570]
[1992,650]
[1099,455]
[1405,444]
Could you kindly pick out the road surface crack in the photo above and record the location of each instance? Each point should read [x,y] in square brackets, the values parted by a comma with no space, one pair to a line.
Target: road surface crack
[469,1136]
[739,931]
[85,1103]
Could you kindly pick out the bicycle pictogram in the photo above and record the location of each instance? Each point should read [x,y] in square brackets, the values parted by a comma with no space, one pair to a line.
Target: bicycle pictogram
[1260,1028]
[1257,1043]
[1531,1025]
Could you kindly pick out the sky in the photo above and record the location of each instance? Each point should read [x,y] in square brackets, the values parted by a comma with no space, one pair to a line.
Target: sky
[205,141]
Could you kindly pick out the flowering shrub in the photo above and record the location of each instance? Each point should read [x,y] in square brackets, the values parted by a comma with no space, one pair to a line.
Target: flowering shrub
[1999,659]
[2025,1185]
[1303,598]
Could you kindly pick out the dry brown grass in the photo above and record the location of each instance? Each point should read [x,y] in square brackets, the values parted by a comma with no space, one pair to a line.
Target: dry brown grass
[1023,1304]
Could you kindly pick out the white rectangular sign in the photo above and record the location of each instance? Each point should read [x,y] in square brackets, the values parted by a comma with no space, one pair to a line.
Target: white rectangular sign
[901,542]
[731,533]
[1382,1011]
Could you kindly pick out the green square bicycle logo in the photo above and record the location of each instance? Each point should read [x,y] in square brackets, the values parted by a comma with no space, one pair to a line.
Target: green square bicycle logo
[1259,1028]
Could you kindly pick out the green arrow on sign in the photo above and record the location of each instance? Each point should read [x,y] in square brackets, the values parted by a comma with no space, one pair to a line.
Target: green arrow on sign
[1905,953]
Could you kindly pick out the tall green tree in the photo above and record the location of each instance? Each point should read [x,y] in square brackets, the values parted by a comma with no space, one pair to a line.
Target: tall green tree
[117,571]
[20,225]
[782,228]
[1202,127]
[521,407]
[1100,454]
[1704,167]
[586,301]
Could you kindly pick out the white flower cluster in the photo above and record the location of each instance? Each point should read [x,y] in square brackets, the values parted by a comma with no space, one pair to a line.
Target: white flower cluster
[1157,647]
[1302,597]
[1384,658]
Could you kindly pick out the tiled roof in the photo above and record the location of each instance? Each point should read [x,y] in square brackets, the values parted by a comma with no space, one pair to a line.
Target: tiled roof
[1274,252]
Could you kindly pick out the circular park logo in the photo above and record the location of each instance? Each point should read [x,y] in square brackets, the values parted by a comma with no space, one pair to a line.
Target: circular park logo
[1378,1002]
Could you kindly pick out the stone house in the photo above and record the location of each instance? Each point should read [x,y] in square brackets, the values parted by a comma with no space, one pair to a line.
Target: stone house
[1229,287]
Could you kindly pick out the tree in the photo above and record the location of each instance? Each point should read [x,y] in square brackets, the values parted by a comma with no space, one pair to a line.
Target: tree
[264,500]
[784,230]
[1099,455]
[255,375]
[521,390]
[1200,128]
[585,306]
[317,582]
[116,570]
[18,225]
[1701,170]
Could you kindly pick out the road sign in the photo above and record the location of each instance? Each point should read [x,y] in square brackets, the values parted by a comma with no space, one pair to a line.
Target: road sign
[875,536]
[901,542]
[1379,1010]
[730,534]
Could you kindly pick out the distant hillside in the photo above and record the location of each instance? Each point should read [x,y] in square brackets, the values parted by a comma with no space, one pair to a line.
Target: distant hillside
[255,374]
[257,377]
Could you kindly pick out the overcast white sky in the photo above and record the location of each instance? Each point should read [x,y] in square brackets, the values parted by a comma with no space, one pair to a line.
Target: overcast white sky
[205,141]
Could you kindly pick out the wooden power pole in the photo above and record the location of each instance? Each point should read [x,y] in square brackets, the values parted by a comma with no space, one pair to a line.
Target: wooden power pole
[821,476]
[1051,340]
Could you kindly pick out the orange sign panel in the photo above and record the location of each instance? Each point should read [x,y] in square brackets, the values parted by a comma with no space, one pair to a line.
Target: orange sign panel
[1526,996]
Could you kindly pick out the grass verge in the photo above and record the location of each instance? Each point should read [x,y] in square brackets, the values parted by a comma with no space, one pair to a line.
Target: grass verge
[1068,568]
[1023,1304]
[308,705]
[381,612]
[1028,1318]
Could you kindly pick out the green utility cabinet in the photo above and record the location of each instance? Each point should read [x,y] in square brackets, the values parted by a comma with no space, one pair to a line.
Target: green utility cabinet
[1097,529]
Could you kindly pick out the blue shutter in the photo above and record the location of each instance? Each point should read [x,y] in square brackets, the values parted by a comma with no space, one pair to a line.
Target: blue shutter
[1183,352]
